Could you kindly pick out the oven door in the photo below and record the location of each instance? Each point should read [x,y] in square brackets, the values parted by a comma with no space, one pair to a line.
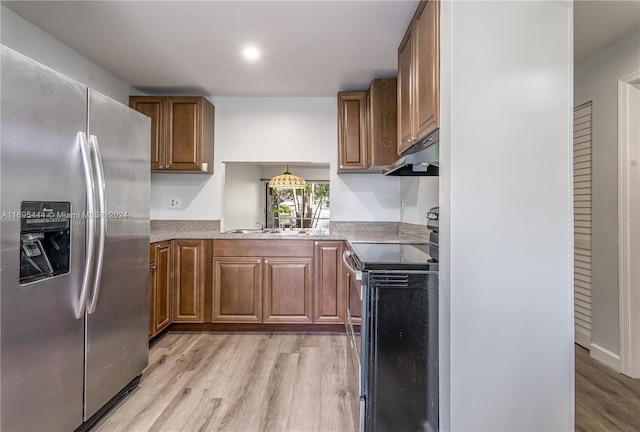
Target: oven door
[354,337]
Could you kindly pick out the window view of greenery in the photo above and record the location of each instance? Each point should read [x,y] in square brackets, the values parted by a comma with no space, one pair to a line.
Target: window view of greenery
[298,208]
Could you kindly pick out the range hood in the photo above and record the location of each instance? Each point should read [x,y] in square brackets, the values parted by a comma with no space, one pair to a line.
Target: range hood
[421,160]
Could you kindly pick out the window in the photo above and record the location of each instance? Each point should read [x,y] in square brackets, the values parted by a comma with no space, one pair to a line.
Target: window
[298,208]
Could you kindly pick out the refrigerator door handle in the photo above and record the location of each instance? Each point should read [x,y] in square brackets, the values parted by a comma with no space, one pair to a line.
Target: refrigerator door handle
[85,151]
[102,221]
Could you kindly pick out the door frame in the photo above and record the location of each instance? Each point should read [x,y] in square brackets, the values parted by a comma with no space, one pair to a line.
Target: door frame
[628,248]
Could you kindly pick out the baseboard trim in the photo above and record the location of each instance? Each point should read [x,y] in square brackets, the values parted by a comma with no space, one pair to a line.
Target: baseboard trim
[583,339]
[605,356]
[258,327]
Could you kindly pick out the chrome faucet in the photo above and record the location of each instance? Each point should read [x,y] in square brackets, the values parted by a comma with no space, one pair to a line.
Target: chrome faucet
[261,225]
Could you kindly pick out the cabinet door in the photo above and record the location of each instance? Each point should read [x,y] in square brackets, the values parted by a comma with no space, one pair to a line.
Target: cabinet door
[405,90]
[163,286]
[382,119]
[152,290]
[189,279]
[184,128]
[152,106]
[427,69]
[287,290]
[352,131]
[237,289]
[329,295]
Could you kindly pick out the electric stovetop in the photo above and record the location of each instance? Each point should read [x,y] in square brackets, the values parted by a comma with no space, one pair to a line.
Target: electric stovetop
[385,256]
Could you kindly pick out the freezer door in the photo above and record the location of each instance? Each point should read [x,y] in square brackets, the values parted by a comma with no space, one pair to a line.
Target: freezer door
[42,349]
[118,310]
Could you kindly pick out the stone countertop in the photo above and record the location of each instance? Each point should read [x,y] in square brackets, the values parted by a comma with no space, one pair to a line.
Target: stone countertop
[368,232]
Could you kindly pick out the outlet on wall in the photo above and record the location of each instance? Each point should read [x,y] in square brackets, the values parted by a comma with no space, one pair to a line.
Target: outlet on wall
[175,203]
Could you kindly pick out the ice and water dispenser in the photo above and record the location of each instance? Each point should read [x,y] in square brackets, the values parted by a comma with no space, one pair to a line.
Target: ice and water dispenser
[45,240]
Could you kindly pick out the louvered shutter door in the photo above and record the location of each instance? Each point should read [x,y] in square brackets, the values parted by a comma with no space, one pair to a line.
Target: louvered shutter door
[582,222]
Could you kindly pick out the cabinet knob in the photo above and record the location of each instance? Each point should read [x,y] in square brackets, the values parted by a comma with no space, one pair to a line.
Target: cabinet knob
[259,261]
[266,261]
[341,166]
[152,267]
[316,243]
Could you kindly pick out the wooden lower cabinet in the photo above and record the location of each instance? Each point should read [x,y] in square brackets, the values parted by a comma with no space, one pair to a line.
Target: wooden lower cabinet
[263,281]
[152,289]
[160,282]
[237,290]
[287,290]
[205,284]
[189,276]
[329,287]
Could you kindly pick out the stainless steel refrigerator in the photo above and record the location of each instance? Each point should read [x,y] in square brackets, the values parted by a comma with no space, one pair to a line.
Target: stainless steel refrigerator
[74,185]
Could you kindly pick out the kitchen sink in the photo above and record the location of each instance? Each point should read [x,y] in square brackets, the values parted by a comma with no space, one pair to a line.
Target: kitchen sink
[289,232]
[276,231]
[247,231]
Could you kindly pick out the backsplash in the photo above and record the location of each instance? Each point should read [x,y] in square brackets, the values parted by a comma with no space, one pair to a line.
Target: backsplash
[185,225]
[390,227]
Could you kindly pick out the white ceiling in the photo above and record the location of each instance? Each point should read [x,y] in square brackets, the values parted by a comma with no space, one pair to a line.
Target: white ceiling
[310,48]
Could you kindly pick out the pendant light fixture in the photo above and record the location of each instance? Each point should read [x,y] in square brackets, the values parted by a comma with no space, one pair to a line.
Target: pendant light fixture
[287,181]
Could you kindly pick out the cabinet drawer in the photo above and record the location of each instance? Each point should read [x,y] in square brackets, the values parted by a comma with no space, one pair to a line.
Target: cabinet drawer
[262,248]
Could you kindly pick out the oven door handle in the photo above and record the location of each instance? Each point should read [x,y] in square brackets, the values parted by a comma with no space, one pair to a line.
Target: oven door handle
[355,273]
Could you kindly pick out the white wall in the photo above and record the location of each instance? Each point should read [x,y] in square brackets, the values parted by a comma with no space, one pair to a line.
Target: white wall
[306,172]
[506,211]
[418,195]
[242,198]
[596,79]
[444,201]
[244,191]
[276,129]
[24,37]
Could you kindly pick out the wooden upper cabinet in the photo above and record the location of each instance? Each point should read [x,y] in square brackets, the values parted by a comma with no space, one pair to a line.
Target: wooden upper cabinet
[152,106]
[427,69]
[352,131]
[405,87]
[367,127]
[181,132]
[190,262]
[419,76]
[382,121]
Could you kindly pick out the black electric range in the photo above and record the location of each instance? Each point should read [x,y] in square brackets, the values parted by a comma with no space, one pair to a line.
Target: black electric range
[392,329]
[383,256]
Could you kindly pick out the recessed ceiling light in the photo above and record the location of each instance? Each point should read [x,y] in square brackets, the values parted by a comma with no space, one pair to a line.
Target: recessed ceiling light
[251,53]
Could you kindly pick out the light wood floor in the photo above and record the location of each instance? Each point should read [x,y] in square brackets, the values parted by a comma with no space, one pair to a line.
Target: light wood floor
[239,382]
[289,382]
[606,401]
